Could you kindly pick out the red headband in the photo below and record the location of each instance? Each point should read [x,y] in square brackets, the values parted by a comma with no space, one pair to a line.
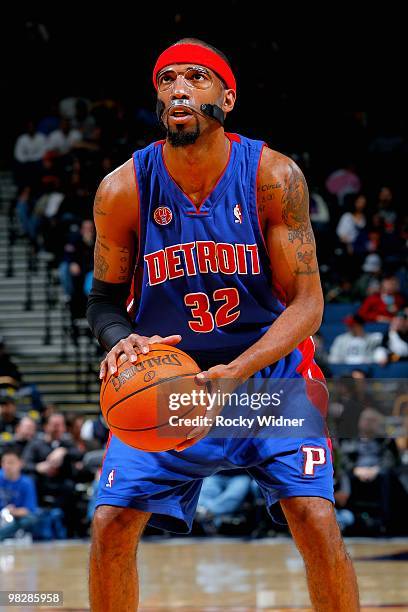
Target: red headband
[196,54]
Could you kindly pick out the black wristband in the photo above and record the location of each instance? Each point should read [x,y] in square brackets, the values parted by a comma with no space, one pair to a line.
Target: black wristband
[111,334]
[106,312]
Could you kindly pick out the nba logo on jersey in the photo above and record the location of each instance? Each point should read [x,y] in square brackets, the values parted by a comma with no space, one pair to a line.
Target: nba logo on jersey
[111,476]
[162,215]
[238,213]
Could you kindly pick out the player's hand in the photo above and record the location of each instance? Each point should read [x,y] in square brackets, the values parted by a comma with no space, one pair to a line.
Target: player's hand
[132,346]
[218,378]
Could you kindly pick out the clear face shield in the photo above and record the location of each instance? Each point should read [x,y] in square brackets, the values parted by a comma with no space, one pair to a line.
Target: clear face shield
[193,80]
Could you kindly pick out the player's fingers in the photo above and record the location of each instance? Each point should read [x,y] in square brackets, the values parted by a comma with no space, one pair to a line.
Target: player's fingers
[196,434]
[142,344]
[172,340]
[202,378]
[184,445]
[128,349]
[112,358]
[103,368]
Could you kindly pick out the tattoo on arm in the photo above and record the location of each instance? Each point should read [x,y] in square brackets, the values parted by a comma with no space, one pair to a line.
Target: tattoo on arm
[124,263]
[295,214]
[97,206]
[265,194]
[101,266]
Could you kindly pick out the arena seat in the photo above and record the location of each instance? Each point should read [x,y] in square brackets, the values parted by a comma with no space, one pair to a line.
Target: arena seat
[391,370]
[329,331]
[335,313]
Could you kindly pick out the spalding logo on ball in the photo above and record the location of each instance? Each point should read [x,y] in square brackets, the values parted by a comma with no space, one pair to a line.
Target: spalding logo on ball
[135,402]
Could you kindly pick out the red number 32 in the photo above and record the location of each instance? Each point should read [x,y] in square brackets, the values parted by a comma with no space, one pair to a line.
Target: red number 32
[203,320]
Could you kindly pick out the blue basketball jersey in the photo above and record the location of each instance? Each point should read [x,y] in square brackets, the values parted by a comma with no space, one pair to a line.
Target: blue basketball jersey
[204,273]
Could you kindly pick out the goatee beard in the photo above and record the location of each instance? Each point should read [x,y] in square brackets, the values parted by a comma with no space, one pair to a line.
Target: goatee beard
[179,138]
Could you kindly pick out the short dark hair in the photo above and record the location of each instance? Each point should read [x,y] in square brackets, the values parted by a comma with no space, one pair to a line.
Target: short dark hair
[197,41]
[11,450]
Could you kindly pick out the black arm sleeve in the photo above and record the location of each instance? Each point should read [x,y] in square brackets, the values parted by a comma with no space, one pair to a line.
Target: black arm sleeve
[106,312]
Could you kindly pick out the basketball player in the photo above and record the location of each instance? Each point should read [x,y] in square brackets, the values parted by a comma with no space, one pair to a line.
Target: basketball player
[213,230]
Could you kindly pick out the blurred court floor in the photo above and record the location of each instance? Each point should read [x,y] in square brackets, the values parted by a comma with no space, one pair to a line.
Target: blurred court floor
[209,575]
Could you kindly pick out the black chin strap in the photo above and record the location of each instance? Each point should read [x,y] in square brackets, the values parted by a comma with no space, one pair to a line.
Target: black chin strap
[159,110]
[211,110]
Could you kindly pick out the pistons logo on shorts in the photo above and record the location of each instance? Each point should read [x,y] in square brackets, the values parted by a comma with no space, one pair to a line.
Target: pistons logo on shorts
[312,456]
[162,215]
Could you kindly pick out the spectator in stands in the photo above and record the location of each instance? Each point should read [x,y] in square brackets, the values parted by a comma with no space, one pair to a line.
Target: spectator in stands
[75,424]
[396,338]
[25,431]
[9,418]
[68,107]
[18,499]
[383,305]
[29,150]
[369,462]
[83,121]
[46,209]
[369,282]
[341,292]
[369,238]
[50,458]
[351,223]
[95,430]
[39,456]
[62,140]
[351,394]
[78,203]
[355,346]
[344,516]
[222,494]
[386,209]
[77,269]
[11,379]
[81,447]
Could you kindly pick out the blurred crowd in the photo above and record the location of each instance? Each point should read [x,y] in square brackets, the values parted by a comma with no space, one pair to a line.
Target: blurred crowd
[361,226]
[49,463]
[50,470]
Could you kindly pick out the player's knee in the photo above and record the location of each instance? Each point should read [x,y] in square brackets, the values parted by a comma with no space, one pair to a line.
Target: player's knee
[114,527]
[323,536]
[316,526]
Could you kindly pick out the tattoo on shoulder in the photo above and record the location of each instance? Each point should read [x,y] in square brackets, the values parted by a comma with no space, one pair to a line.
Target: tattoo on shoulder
[101,266]
[98,206]
[295,208]
[295,214]
[265,194]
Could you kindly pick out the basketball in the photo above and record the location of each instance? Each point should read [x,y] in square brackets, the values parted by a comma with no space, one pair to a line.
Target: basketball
[135,401]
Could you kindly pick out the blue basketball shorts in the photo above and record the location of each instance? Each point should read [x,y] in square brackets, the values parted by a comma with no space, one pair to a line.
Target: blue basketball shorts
[167,484]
